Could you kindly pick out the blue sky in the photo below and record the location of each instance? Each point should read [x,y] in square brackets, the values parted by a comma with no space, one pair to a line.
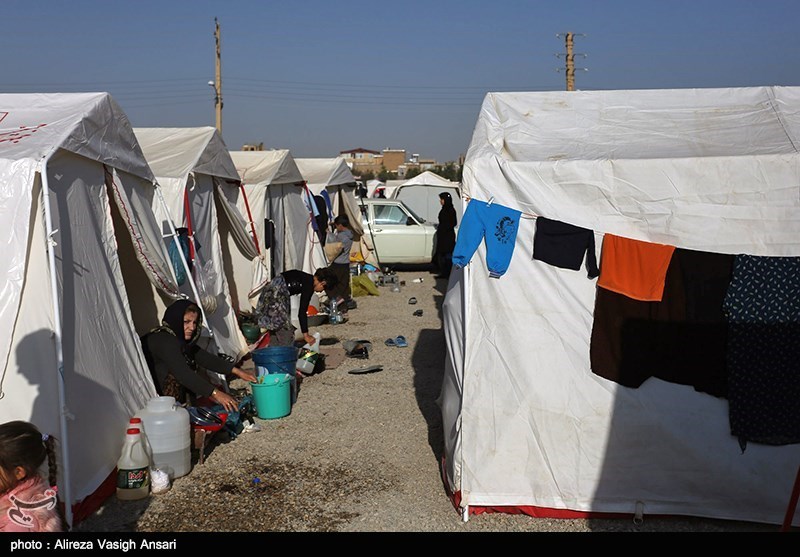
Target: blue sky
[319,77]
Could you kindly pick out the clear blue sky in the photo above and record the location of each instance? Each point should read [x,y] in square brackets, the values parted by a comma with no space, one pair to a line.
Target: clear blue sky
[318,77]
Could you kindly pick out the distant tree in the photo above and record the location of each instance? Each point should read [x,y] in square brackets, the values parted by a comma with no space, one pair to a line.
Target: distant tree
[413,171]
[384,175]
[367,176]
[448,171]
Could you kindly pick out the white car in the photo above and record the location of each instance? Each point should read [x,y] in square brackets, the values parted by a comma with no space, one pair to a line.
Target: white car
[399,235]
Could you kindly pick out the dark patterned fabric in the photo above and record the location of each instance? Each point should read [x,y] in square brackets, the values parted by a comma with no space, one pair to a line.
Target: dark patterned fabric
[274,306]
[762,307]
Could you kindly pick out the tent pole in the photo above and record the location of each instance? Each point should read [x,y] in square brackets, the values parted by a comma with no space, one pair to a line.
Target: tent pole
[63,412]
[189,276]
[371,235]
[250,217]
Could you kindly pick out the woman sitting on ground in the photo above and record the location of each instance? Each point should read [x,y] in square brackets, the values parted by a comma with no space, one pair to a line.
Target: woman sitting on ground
[173,357]
[274,304]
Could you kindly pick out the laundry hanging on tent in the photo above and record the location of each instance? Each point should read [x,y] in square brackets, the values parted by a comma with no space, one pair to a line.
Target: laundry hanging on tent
[762,306]
[322,219]
[181,241]
[680,339]
[564,245]
[497,225]
[633,267]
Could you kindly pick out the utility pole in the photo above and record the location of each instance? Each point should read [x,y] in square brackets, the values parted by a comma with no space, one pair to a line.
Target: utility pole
[218,78]
[570,58]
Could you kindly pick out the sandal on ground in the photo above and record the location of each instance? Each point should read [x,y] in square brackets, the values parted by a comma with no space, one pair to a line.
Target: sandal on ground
[367,369]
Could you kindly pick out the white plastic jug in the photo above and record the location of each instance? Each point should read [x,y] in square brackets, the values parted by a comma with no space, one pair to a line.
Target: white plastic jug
[139,424]
[169,434]
[309,355]
[133,468]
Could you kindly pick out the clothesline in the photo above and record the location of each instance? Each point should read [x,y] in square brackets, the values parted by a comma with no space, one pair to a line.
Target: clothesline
[523,214]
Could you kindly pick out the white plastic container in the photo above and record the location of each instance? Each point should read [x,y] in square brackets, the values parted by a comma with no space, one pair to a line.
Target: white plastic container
[133,468]
[309,356]
[169,433]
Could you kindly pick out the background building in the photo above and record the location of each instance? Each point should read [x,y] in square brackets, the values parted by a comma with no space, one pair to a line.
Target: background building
[362,160]
[393,158]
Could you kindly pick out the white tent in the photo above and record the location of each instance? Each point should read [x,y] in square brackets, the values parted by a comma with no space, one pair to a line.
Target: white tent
[74,178]
[421,195]
[196,174]
[275,190]
[373,185]
[527,424]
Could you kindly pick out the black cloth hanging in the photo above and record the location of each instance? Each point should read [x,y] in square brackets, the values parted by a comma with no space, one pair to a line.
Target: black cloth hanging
[564,245]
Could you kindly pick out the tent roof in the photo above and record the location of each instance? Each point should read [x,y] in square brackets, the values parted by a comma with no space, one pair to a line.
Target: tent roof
[707,169]
[34,125]
[320,173]
[429,178]
[267,167]
[175,152]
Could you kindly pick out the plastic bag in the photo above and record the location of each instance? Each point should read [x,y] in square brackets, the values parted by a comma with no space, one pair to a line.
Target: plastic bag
[205,277]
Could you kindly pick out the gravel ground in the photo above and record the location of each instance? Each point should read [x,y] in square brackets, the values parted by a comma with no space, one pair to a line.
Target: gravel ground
[358,453]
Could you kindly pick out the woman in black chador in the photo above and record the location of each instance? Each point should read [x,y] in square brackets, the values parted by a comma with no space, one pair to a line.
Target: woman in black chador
[445,236]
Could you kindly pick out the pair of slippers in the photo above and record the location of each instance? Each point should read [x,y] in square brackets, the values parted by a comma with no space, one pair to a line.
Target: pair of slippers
[365,369]
[399,341]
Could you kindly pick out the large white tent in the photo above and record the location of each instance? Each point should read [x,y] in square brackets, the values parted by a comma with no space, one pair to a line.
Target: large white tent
[196,174]
[276,191]
[75,181]
[421,195]
[527,424]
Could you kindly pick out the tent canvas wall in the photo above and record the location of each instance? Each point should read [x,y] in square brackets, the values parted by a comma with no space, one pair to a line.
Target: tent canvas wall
[68,163]
[275,190]
[527,425]
[195,172]
[421,195]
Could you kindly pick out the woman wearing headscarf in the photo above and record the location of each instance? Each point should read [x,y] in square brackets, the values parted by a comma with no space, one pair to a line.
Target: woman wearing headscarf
[173,357]
[274,304]
[445,235]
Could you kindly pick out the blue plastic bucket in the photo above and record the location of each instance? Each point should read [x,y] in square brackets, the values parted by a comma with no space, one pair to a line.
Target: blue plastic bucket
[278,359]
[275,359]
[272,396]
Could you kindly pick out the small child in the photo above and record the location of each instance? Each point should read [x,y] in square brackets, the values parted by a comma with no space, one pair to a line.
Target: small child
[27,502]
